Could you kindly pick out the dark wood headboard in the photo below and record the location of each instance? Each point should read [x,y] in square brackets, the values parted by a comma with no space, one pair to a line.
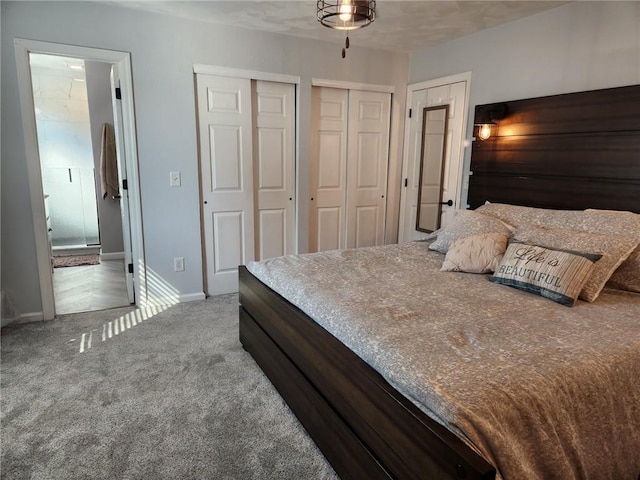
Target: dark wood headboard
[571,151]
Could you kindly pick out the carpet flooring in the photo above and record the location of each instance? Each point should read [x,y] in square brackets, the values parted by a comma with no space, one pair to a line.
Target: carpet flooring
[165,393]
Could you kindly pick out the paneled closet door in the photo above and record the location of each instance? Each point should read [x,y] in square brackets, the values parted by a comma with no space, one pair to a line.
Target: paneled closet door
[328,169]
[274,131]
[349,163]
[454,95]
[367,164]
[224,115]
[409,208]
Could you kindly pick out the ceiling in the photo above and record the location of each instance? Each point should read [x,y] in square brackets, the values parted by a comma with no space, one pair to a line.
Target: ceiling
[402,26]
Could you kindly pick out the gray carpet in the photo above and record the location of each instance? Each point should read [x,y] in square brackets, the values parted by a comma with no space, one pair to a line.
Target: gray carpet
[144,395]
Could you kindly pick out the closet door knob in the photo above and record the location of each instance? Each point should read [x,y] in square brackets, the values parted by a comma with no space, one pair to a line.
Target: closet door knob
[448,202]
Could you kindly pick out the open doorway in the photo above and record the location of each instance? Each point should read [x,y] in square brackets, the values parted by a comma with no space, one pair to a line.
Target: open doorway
[74,122]
[64,145]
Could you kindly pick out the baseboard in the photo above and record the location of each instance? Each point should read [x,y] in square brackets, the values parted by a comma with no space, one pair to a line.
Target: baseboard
[27,318]
[165,301]
[39,317]
[191,297]
[75,250]
[112,256]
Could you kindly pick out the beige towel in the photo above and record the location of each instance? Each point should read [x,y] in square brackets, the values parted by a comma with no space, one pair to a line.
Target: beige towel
[109,164]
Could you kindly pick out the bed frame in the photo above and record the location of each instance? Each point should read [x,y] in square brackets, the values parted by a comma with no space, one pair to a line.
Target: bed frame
[363,426]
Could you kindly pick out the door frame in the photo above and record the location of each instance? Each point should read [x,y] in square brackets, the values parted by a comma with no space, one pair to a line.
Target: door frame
[414,87]
[121,61]
[203,69]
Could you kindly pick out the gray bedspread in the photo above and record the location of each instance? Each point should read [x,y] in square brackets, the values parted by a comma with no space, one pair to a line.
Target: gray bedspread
[540,390]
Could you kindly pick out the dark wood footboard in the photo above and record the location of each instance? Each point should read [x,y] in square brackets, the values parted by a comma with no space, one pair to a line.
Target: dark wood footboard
[363,426]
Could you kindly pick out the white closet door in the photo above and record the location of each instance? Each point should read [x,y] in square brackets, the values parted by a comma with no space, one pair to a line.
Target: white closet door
[368,157]
[454,95]
[328,169]
[224,116]
[409,208]
[274,130]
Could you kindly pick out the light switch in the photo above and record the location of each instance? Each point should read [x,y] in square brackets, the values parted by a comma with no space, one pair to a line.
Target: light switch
[174,179]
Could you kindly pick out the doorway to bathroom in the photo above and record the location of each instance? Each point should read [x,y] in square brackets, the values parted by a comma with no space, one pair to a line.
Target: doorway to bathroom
[74,123]
[80,143]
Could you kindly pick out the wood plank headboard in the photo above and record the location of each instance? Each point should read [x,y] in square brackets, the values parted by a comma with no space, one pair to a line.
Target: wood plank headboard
[571,151]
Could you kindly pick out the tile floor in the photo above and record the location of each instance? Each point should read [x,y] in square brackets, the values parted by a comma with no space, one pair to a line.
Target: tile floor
[89,288]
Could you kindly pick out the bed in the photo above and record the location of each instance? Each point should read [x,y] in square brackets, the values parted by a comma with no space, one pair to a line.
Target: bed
[374,417]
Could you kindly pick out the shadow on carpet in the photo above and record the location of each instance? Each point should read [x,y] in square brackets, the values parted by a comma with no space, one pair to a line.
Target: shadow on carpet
[153,394]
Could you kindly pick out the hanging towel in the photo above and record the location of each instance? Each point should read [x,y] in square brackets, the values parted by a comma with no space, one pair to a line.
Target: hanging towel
[109,164]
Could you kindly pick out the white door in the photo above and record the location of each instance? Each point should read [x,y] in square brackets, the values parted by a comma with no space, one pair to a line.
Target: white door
[328,169]
[349,162]
[274,137]
[118,133]
[454,95]
[224,123]
[368,156]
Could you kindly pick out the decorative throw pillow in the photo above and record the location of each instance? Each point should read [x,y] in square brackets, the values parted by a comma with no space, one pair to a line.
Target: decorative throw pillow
[475,254]
[465,224]
[555,274]
[614,250]
[627,276]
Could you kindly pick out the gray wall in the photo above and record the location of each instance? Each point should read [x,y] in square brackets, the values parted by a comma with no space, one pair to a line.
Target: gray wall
[101,112]
[576,47]
[163,51]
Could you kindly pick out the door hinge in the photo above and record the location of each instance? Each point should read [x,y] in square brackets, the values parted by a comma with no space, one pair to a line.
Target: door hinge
[118,93]
[410,112]
[130,268]
[125,184]
[406,182]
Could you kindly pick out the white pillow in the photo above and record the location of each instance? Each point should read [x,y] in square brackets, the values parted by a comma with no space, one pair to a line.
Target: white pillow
[476,253]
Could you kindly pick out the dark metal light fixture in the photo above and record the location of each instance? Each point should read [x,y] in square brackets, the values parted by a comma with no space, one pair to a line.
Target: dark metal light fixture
[346,15]
[486,116]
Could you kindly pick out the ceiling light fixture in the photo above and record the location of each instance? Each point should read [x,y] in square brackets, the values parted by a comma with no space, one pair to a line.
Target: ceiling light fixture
[346,15]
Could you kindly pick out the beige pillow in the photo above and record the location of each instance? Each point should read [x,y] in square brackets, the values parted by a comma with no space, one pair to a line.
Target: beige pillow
[627,224]
[475,254]
[465,224]
[554,274]
[614,250]
[606,222]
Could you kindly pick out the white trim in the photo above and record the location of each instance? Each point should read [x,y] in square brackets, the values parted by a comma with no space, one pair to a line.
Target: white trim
[170,300]
[191,297]
[29,318]
[112,256]
[369,87]
[34,174]
[121,61]
[436,82]
[240,73]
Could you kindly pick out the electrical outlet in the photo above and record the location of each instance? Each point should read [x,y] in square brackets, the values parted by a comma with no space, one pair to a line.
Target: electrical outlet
[174,179]
[178,264]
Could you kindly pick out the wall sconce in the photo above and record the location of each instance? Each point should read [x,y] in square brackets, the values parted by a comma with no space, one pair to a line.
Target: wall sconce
[486,116]
[484,132]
